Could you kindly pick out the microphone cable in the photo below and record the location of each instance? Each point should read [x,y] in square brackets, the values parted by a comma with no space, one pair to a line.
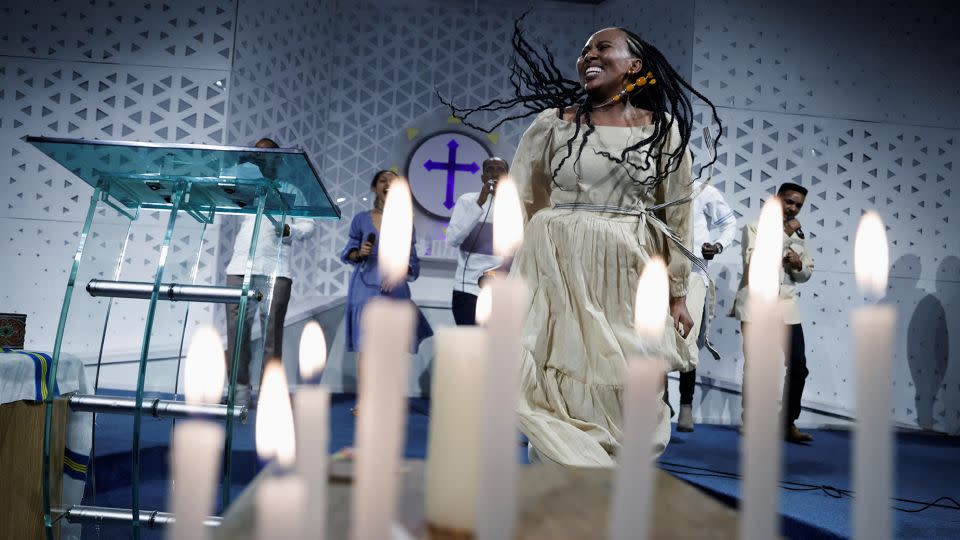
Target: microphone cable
[473,244]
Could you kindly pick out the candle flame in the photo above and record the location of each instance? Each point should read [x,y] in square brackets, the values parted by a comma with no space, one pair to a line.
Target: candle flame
[652,301]
[766,261]
[507,219]
[484,305]
[313,351]
[204,368]
[396,233]
[274,433]
[871,257]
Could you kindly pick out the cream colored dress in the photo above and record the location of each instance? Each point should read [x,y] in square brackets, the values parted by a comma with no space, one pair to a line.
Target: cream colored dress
[582,268]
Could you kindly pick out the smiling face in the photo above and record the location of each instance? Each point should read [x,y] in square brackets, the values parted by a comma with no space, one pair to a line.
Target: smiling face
[381,185]
[606,63]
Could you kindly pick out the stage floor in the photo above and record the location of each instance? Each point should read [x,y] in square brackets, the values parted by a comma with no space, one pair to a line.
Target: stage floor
[928,468]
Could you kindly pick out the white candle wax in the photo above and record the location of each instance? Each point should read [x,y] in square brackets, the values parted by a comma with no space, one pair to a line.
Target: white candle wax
[633,485]
[280,508]
[873,440]
[454,439]
[761,446]
[388,327]
[312,410]
[197,447]
[873,341]
[496,501]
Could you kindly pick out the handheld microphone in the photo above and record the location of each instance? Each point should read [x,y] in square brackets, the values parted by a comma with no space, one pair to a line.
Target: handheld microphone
[372,238]
[799,230]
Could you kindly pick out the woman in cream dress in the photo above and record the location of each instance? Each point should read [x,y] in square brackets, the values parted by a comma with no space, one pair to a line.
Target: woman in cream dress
[582,266]
[591,171]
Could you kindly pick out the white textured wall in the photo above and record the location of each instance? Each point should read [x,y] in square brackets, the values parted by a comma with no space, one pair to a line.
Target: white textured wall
[856,100]
[154,72]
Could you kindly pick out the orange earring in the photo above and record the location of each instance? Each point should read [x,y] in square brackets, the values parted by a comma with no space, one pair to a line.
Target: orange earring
[630,87]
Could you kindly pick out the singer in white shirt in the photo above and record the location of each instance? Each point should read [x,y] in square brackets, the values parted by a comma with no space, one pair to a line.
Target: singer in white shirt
[714,228]
[264,262]
[471,230]
[797,268]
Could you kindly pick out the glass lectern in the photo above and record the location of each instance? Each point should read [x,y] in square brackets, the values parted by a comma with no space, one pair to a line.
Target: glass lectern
[186,186]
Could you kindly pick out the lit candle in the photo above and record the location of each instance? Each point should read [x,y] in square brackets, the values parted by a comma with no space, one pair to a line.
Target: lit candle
[454,439]
[483,305]
[761,446]
[197,444]
[634,483]
[873,336]
[496,500]
[396,234]
[312,408]
[281,497]
[388,327]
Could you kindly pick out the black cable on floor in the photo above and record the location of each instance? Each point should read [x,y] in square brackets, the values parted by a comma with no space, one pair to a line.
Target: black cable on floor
[830,491]
[956,506]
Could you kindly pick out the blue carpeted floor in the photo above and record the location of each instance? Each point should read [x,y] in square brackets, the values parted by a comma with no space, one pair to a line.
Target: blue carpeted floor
[928,468]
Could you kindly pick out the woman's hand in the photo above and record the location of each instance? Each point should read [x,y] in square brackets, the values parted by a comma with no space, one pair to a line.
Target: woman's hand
[366,249]
[681,317]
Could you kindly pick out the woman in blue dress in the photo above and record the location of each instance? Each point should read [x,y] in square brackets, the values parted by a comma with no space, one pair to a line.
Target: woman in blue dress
[365,283]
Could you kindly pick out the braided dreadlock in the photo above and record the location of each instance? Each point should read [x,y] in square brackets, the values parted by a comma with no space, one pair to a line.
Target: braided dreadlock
[538,85]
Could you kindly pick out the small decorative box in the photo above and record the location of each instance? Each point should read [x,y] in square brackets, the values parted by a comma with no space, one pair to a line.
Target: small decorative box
[13,329]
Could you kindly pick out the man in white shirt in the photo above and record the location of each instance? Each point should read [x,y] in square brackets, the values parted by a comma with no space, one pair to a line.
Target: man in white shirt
[264,263]
[471,230]
[797,268]
[714,227]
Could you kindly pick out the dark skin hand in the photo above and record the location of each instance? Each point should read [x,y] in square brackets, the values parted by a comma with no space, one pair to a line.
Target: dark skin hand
[380,189]
[709,251]
[366,248]
[493,170]
[681,317]
[792,203]
[792,261]
[791,226]
[488,189]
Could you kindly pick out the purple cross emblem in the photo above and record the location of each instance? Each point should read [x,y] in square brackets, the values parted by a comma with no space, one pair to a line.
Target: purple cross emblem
[452,167]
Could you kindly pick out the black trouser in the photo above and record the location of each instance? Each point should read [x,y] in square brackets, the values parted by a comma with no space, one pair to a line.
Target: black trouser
[464,306]
[271,325]
[688,382]
[796,377]
[795,359]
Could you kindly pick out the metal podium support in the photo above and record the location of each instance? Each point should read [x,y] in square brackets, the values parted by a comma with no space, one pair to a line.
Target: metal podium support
[192,184]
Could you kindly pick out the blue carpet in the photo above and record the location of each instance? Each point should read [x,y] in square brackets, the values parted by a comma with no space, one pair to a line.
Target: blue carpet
[928,467]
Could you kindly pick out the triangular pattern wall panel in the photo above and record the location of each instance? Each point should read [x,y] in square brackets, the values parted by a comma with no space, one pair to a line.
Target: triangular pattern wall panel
[171,33]
[60,75]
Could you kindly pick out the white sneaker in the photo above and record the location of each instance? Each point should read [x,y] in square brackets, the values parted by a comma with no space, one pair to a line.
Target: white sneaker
[685,420]
[242,396]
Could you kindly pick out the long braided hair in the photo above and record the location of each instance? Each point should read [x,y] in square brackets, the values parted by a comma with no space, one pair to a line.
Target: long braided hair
[539,85]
